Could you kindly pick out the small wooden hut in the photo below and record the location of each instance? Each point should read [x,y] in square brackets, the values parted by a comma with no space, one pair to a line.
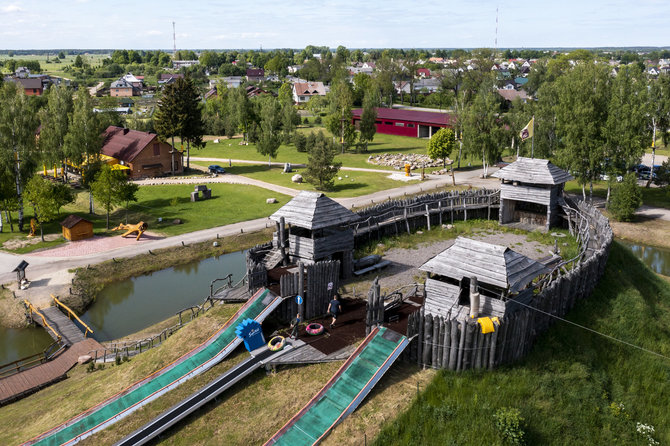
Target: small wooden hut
[530,192]
[476,278]
[318,229]
[76,228]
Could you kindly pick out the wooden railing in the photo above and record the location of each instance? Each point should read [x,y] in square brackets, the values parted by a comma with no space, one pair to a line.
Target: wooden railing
[32,310]
[71,313]
[22,364]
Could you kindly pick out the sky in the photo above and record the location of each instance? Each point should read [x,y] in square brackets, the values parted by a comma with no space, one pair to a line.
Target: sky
[147,24]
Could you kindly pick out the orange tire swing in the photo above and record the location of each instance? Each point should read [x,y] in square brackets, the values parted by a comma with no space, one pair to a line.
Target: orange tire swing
[276,343]
[314,329]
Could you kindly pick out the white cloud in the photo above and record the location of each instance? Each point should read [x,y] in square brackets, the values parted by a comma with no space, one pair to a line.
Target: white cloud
[153,32]
[11,8]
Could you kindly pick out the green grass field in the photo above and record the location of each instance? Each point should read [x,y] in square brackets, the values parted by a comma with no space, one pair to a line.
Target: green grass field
[95,60]
[352,184]
[231,149]
[575,387]
[651,196]
[230,203]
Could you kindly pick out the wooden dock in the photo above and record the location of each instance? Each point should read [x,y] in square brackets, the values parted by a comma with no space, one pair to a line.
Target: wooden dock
[28,381]
[304,353]
[66,328]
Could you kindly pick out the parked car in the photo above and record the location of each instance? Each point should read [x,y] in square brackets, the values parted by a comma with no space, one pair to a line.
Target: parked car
[606,177]
[215,168]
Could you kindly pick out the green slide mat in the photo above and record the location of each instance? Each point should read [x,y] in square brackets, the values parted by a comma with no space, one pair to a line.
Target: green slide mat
[345,390]
[208,354]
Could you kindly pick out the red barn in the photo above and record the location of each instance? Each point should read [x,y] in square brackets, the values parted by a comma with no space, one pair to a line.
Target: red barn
[416,123]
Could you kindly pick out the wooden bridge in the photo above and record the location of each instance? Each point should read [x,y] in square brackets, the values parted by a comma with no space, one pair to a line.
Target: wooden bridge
[25,376]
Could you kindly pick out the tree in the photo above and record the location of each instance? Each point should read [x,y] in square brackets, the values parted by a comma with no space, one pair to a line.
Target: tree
[17,140]
[626,198]
[368,126]
[441,145]
[338,121]
[581,116]
[108,188]
[321,169]
[300,142]
[78,62]
[188,103]
[41,193]
[83,140]
[168,119]
[127,193]
[54,119]
[61,55]
[659,101]
[269,140]
[482,127]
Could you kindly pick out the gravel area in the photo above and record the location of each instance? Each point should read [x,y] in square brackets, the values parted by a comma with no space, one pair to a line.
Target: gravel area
[406,262]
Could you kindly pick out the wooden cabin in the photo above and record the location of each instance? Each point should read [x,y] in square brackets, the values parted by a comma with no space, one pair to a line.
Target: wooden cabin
[501,275]
[318,229]
[76,228]
[531,192]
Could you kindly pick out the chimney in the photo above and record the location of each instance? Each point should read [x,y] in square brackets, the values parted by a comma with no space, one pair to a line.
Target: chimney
[125,131]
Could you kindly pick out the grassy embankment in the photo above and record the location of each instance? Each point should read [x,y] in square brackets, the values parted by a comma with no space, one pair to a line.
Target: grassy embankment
[230,203]
[575,387]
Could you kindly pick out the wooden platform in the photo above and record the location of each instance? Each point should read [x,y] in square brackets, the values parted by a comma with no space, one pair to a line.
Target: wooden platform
[70,333]
[28,381]
[232,295]
[304,353]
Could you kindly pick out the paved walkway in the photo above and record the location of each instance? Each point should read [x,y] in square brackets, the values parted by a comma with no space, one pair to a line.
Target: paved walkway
[50,273]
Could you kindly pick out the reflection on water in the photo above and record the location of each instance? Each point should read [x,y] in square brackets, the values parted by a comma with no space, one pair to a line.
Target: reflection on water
[129,306]
[19,343]
[657,259]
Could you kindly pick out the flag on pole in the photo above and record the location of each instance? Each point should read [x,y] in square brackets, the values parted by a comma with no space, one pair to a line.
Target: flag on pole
[527,131]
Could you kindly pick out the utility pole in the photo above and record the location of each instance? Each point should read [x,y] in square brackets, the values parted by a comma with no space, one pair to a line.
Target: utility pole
[174,39]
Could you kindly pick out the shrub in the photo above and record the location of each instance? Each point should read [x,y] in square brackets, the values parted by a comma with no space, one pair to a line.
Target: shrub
[305,121]
[508,422]
[318,120]
[626,198]
[300,142]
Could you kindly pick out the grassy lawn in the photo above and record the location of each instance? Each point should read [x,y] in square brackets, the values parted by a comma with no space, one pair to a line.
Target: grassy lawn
[231,149]
[56,69]
[230,203]
[651,196]
[575,387]
[352,184]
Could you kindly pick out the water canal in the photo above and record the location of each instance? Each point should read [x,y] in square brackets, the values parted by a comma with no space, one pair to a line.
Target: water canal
[127,307]
[656,259]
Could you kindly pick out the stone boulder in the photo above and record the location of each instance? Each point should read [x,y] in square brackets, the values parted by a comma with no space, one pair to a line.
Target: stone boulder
[297,178]
[271,200]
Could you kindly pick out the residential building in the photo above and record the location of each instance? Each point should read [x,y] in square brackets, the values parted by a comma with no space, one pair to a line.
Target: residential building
[123,88]
[304,91]
[32,86]
[415,123]
[255,74]
[141,152]
[177,64]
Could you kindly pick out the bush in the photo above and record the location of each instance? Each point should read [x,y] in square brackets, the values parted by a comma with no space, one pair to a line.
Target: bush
[508,422]
[300,142]
[626,198]
[318,120]
[305,121]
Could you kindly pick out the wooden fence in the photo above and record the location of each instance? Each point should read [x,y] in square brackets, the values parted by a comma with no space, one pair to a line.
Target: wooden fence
[459,344]
[398,216]
[316,283]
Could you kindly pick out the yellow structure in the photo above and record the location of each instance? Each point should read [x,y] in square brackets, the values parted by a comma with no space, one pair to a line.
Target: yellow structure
[408,170]
[33,227]
[139,228]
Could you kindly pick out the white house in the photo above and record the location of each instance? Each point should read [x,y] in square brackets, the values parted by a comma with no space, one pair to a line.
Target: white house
[304,91]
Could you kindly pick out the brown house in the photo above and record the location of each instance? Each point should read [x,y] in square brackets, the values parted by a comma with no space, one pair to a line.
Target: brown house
[76,228]
[141,152]
[32,86]
[123,88]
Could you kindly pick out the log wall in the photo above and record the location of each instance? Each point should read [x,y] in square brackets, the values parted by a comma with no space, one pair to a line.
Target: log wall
[314,289]
[456,342]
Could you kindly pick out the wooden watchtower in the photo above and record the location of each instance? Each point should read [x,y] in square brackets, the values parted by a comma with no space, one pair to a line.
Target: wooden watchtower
[531,190]
[476,278]
[318,229]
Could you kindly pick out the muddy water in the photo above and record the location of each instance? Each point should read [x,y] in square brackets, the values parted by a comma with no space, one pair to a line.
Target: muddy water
[657,259]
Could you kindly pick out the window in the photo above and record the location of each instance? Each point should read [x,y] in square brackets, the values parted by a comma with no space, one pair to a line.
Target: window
[410,126]
[400,124]
[157,149]
[388,123]
[378,122]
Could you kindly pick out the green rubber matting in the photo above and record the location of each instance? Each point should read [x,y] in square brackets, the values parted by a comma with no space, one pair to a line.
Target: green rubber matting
[251,310]
[340,397]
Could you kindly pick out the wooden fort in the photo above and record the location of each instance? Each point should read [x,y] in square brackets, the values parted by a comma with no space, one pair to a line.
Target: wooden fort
[475,278]
[531,192]
[318,229]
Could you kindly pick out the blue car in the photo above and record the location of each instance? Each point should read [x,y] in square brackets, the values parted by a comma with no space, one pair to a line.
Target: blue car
[215,168]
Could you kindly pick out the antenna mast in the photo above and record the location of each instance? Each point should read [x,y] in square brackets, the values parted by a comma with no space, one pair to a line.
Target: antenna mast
[495,45]
[174,38]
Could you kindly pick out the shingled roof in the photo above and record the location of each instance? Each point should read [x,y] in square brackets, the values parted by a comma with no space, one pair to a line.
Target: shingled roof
[493,264]
[72,220]
[313,210]
[534,171]
[124,144]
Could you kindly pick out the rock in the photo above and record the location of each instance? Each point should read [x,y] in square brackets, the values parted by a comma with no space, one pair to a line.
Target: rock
[83,359]
[419,232]
[339,178]
[216,141]
[297,178]
[177,221]
[271,200]
[450,226]
[215,244]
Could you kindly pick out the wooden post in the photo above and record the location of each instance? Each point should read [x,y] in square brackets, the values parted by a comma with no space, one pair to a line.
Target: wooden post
[437,348]
[282,240]
[427,217]
[428,340]
[461,343]
[453,350]
[406,221]
[419,353]
[474,298]
[301,289]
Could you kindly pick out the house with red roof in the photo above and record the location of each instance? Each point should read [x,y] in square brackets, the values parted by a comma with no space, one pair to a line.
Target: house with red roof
[415,123]
[142,152]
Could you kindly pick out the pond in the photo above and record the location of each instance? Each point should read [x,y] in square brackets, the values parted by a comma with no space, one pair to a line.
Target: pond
[657,259]
[127,307]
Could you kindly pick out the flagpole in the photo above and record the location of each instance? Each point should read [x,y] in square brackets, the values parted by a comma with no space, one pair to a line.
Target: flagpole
[532,140]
